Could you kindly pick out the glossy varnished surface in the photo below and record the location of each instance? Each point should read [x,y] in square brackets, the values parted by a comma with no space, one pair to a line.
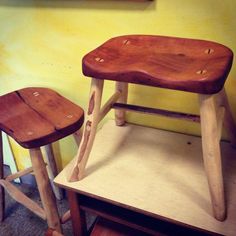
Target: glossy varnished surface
[38,116]
[176,63]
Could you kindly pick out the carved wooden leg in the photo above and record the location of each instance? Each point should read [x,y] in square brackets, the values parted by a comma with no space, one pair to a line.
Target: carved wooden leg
[120,114]
[90,127]
[52,171]
[52,232]
[211,154]
[229,124]
[78,136]
[77,215]
[2,194]
[45,191]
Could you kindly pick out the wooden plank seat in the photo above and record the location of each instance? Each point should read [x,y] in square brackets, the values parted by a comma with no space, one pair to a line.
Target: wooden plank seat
[175,63]
[36,117]
[190,65]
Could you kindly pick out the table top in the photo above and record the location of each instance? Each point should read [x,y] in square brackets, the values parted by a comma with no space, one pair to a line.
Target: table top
[157,173]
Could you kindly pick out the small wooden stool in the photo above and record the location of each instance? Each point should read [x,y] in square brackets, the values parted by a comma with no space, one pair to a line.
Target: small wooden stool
[190,65]
[35,117]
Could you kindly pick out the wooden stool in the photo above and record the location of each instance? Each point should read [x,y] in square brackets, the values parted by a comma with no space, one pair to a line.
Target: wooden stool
[35,117]
[190,65]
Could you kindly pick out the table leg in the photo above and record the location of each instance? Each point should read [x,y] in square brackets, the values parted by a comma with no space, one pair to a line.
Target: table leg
[77,215]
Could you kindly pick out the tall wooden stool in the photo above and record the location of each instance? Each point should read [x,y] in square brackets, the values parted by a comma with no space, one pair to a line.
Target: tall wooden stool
[36,117]
[190,65]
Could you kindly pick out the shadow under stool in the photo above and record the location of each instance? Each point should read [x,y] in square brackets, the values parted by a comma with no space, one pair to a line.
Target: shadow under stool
[36,117]
[190,65]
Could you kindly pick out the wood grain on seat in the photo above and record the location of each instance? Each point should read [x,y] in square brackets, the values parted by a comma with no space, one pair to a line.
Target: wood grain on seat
[38,116]
[176,63]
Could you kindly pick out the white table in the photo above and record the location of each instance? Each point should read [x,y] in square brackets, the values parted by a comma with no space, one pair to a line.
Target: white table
[155,173]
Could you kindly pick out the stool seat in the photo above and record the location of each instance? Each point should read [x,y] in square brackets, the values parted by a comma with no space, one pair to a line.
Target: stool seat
[37,116]
[191,65]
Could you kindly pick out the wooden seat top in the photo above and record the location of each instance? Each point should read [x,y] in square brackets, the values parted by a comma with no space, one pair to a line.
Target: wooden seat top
[176,63]
[38,116]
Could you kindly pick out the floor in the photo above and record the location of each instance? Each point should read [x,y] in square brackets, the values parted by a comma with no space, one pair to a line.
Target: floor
[22,222]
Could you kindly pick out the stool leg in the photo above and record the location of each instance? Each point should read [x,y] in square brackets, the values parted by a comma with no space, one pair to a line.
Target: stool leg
[51,232]
[2,193]
[45,191]
[52,171]
[211,154]
[229,124]
[90,127]
[78,136]
[120,114]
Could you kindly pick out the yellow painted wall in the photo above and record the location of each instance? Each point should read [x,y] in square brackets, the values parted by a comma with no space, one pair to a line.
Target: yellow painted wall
[42,44]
